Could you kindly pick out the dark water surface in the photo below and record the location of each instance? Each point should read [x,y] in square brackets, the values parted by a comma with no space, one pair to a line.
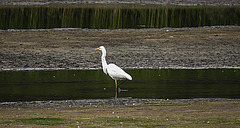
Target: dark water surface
[94,84]
[115,17]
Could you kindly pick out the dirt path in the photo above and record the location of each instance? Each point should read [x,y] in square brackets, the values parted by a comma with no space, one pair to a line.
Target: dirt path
[146,48]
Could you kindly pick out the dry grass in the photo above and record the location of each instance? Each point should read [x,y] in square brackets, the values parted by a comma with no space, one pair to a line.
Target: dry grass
[201,114]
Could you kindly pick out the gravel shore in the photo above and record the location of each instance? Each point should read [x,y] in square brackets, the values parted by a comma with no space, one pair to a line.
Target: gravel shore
[205,47]
[109,102]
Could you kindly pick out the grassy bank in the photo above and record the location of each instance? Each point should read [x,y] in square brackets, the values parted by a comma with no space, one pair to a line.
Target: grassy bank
[196,114]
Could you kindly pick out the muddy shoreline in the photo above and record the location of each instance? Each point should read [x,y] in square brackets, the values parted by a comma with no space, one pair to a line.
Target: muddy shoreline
[142,2]
[204,47]
[109,102]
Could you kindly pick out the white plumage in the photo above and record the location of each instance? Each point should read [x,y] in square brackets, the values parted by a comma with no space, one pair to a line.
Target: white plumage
[115,72]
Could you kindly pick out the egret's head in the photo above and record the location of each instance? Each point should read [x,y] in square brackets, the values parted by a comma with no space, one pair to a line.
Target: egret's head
[101,48]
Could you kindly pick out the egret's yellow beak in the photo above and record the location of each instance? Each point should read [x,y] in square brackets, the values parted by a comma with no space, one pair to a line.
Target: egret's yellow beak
[97,49]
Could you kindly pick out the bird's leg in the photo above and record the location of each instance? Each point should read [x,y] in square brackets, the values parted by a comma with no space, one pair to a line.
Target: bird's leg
[116,84]
[121,83]
[116,89]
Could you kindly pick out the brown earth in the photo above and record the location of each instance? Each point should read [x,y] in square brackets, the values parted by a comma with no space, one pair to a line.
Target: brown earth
[207,47]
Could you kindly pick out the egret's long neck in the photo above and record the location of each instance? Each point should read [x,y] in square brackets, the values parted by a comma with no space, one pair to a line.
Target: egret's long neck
[104,63]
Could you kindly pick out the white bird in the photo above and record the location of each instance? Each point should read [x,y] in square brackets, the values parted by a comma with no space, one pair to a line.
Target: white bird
[115,72]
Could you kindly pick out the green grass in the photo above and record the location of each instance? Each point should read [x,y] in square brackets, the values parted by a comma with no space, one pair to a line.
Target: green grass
[41,121]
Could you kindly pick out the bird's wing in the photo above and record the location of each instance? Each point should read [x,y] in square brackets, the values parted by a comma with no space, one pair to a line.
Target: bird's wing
[117,73]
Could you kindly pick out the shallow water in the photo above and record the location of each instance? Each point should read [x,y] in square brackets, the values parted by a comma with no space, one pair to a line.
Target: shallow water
[115,17]
[94,84]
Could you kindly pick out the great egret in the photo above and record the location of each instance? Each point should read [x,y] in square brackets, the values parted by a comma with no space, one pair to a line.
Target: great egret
[115,72]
